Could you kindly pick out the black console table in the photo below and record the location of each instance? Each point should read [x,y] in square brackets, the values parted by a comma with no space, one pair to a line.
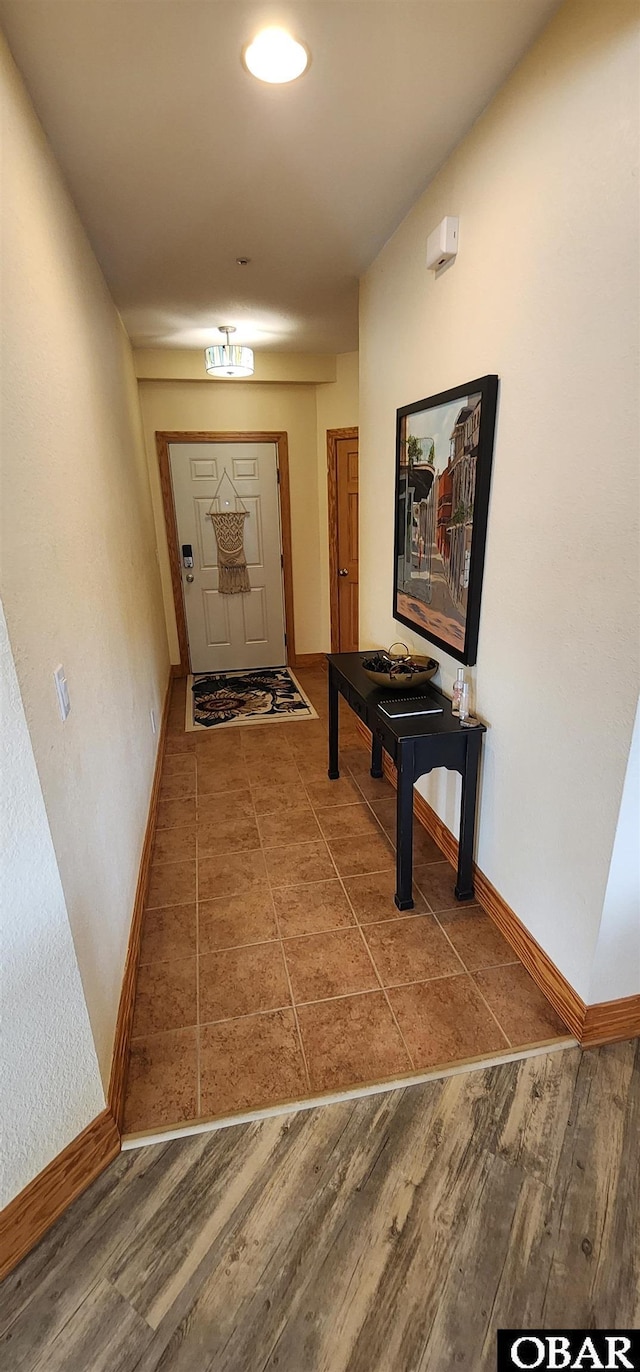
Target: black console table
[416,744]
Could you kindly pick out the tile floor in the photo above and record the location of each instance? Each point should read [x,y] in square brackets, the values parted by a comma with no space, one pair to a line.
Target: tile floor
[274,964]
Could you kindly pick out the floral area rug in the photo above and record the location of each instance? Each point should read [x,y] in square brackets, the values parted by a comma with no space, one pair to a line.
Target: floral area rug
[218,699]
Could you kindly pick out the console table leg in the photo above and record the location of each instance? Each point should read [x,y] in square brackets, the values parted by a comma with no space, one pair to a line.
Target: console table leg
[334,771]
[376,757]
[404,829]
[464,883]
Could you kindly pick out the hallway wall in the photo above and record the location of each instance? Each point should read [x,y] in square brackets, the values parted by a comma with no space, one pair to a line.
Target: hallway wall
[50,1086]
[80,585]
[545,293]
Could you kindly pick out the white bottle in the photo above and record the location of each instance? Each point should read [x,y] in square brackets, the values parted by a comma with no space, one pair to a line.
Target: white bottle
[457,691]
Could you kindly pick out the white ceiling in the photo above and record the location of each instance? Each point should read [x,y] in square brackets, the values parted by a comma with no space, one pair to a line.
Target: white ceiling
[179,161]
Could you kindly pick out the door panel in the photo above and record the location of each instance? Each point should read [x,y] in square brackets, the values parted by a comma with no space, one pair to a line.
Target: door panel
[228,633]
[207,556]
[347,541]
[244,466]
[255,617]
[203,468]
[216,619]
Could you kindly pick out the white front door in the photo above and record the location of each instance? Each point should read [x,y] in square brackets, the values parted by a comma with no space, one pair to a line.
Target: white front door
[230,632]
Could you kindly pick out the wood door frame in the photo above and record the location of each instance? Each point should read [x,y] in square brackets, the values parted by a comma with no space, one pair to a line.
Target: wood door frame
[333,435]
[166,436]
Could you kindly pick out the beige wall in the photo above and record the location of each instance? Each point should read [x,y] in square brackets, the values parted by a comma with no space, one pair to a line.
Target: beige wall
[219,406]
[544,292]
[79,575]
[50,1086]
[337,408]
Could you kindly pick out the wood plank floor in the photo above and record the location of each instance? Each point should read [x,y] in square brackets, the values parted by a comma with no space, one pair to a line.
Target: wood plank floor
[394,1233]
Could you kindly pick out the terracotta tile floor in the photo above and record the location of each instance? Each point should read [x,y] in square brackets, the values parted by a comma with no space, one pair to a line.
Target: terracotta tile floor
[274,964]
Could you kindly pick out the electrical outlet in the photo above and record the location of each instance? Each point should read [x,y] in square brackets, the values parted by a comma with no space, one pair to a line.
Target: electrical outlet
[152,714]
[64,704]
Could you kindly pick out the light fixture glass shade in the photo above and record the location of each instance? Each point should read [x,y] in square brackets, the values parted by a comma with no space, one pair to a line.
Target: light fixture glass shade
[274,56]
[228,359]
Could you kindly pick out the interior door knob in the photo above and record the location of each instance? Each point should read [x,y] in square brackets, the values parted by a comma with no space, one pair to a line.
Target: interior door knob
[189,577]
[343,571]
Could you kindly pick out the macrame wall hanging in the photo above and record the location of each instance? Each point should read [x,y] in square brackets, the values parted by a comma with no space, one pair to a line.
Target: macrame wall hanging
[228,527]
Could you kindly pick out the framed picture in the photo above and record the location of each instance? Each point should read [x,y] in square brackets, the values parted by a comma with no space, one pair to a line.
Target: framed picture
[444,449]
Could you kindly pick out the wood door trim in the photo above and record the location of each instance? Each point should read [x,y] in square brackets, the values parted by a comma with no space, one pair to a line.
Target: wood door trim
[333,436]
[282,442]
[166,436]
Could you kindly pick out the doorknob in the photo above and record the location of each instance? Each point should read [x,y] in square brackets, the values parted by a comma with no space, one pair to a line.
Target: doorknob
[189,577]
[343,571]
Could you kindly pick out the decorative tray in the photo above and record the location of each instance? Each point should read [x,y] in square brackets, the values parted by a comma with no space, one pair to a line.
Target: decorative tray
[399,671]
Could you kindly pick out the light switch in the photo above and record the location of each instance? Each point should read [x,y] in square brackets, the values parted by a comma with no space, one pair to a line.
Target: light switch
[64,704]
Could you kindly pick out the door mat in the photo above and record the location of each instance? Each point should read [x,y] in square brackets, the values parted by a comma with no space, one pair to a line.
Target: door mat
[219,699]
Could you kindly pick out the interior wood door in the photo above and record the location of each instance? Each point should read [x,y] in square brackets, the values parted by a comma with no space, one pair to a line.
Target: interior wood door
[347,541]
[230,632]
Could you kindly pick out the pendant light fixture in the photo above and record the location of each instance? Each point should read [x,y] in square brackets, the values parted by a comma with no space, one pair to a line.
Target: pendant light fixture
[228,359]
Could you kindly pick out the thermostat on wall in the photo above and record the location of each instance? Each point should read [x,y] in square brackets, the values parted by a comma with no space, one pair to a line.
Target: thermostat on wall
[442,244]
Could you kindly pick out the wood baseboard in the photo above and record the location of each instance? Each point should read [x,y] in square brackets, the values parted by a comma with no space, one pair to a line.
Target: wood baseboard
[611,1020]
[558,991]
[124,1021]
[593,1025]
[28,1216]
[310,660]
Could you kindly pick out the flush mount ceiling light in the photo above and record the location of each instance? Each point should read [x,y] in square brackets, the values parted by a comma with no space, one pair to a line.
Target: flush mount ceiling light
[276,57]
[228,359]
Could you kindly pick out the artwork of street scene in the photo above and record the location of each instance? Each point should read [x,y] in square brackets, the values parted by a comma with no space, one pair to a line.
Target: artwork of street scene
[437,478]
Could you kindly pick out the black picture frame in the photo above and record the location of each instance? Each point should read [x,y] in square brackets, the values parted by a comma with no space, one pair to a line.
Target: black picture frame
[439,539]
